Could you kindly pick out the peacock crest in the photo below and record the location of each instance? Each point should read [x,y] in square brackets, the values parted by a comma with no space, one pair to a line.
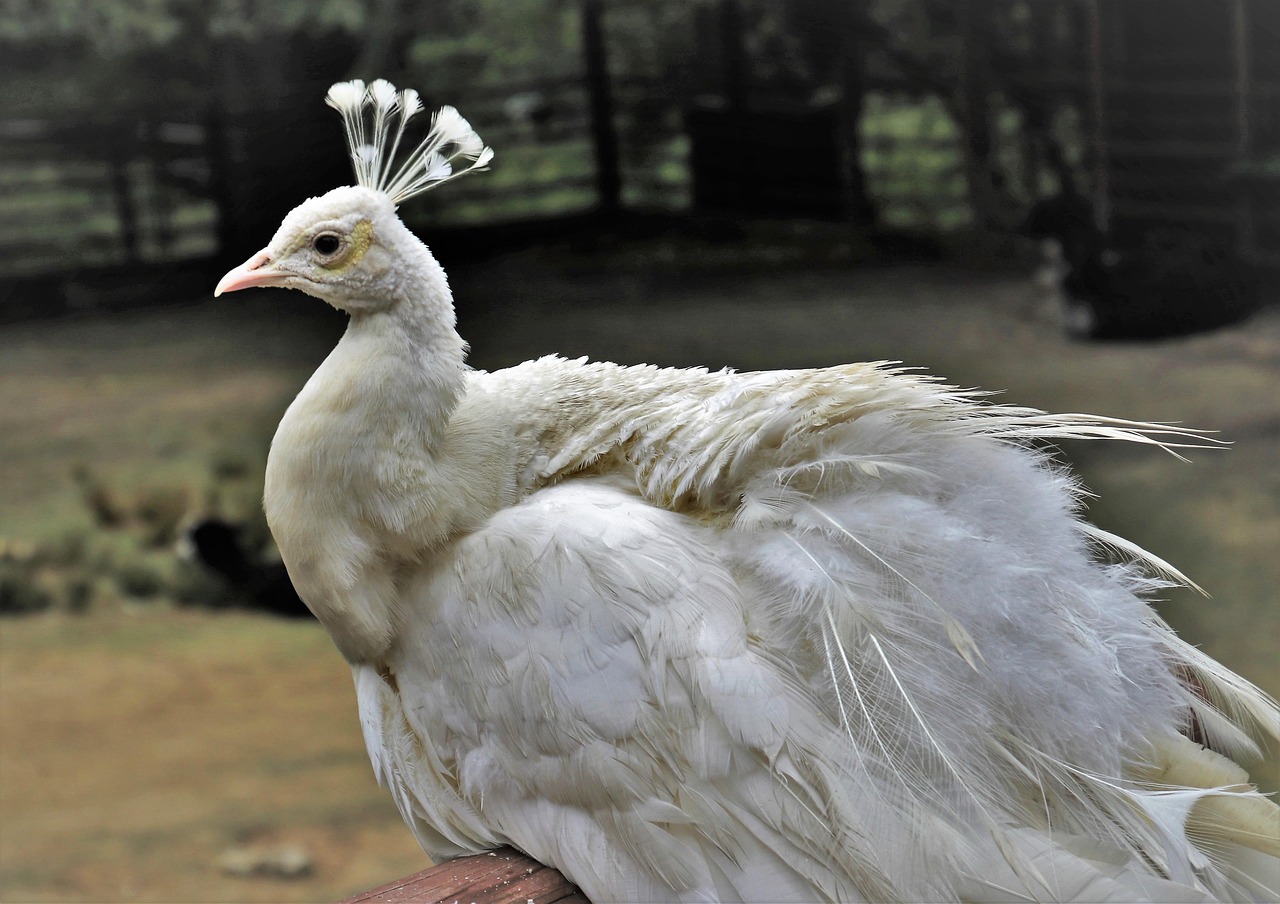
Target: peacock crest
[374,117]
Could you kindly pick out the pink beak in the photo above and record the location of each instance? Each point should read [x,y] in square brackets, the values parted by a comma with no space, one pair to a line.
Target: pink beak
[253,272]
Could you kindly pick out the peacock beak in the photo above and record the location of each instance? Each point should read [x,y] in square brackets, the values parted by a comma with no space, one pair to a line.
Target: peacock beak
[256,271]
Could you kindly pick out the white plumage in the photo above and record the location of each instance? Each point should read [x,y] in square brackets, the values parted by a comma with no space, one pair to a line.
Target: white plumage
[795,636]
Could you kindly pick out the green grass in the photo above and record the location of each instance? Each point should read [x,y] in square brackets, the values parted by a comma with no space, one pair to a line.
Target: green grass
[133,751]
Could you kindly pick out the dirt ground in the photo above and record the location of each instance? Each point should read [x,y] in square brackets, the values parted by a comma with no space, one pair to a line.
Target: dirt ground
[139,742]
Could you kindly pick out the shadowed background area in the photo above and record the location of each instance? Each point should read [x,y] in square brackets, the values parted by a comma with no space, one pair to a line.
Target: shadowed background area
[749,184]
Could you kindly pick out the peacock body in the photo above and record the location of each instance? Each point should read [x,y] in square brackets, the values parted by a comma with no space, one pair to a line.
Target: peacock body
[834,634]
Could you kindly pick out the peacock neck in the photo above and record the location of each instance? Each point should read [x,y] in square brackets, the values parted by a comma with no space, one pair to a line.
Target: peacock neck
[408,358]
[409,382]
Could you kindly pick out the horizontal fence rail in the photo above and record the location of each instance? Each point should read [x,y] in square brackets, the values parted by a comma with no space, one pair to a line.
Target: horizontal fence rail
[82,193]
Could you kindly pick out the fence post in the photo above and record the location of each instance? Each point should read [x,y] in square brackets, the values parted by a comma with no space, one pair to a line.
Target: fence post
[734,55]
[217,152]
[126,212]
[1246,233]
[974,85]
[161,209]
[853,94]
[604,135]
[1098,113]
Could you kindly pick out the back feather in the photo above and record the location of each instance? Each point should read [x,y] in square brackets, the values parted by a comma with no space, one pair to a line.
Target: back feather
[910,557]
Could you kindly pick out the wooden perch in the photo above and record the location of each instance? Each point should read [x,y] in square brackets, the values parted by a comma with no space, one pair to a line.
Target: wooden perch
[504,876]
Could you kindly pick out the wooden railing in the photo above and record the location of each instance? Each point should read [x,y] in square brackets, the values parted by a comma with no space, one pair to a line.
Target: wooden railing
[504,876]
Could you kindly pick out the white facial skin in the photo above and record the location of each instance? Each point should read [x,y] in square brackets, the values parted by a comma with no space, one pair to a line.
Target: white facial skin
[340,247]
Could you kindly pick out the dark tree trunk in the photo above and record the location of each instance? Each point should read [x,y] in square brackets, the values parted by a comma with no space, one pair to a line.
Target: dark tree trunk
[853,87]
[975,109]
[604,134]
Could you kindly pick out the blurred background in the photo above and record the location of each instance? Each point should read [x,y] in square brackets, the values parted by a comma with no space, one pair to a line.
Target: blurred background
[1070,201]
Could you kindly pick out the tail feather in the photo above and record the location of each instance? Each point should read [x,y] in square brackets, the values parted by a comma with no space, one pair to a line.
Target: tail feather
[897,569]
[1137,554]
[1239,700]
[1233,811]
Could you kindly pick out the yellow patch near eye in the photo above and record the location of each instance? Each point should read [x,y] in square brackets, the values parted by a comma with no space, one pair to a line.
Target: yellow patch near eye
[361,239]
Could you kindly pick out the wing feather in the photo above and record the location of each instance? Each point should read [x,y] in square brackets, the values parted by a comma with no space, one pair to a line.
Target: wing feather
[815,635]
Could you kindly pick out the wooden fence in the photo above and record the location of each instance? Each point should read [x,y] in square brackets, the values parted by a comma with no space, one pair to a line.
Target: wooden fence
[1163,145]
[1186,95]
[83,193]
[151,188]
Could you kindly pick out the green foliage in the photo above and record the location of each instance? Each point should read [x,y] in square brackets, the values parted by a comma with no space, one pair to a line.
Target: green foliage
[71,548]
[114,27]
[109,26]
[52,575]
[248,19]
[140,579]
[463,44]
[160,511]
[525,37]
[913,162]
[1267,168]
[79,595]
[126,545]
[20,594]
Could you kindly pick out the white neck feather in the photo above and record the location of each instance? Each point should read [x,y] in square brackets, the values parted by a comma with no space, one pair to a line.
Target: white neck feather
[409,359]
[362,432]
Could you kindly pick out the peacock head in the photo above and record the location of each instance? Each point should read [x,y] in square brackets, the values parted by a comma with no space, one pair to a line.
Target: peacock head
[348,247]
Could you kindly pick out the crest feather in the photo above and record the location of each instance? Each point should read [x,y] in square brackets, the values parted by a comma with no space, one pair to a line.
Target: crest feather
[374,117]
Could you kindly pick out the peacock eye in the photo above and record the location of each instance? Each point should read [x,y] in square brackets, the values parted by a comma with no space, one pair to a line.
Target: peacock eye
[326,244]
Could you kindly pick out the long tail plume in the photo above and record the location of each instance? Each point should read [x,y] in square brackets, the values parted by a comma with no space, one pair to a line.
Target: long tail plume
[374,117]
